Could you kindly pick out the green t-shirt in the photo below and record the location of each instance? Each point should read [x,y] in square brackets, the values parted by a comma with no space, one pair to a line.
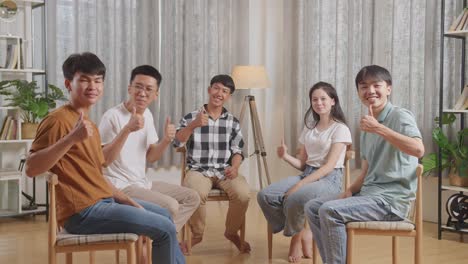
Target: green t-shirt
[391,175]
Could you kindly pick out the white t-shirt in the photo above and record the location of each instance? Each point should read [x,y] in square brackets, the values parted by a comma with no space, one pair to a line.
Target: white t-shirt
[129,168]
[318,143]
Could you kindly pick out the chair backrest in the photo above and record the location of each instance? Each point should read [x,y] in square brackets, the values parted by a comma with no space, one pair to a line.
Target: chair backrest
[350,154]
[183,166]
[415,213]
[52,180]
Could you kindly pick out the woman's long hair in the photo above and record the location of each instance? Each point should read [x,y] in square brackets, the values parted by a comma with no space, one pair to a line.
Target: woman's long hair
[336,112]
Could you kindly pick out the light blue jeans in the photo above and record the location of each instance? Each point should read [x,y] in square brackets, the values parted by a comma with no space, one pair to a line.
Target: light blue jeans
[327,219]
[107,216]
[288,214]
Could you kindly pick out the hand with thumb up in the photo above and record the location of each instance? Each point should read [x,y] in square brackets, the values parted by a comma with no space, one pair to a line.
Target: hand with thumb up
[282,149]
[369,123]
[83,129]
[136,121]
[169,130]
[201,119]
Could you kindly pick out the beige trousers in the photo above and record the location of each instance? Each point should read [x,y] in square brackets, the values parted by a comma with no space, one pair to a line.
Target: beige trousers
[237,190]
[180,201]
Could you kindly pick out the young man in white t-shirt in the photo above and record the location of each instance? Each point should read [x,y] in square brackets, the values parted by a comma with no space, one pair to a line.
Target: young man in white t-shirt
[128,135]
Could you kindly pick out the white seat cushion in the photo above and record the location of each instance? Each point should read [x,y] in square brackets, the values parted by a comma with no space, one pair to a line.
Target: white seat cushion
[67,239]
[382,225]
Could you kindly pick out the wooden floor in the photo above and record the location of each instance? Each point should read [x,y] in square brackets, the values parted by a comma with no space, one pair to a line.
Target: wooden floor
[24,241]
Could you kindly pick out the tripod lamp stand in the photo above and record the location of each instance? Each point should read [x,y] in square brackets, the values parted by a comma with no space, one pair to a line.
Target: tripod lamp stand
[250,77]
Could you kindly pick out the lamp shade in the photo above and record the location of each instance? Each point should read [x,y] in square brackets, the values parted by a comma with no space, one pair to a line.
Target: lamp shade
[249,76]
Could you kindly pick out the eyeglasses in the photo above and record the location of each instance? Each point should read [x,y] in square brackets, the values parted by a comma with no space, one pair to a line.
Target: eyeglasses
[148,90]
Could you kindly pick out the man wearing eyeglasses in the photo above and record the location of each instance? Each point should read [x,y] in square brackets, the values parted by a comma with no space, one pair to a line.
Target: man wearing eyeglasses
[130,138]
[214,143]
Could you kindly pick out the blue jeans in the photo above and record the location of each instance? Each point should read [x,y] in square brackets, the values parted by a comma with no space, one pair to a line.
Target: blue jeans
[328,217]
[108,216]
[288,214]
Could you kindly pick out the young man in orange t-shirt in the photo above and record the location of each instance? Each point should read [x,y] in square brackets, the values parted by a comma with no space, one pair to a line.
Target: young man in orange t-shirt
[68,144]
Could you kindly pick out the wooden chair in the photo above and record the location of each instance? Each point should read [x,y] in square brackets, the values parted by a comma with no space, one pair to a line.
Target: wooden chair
[393,229]
[61,242]
[349,156]
[214,195]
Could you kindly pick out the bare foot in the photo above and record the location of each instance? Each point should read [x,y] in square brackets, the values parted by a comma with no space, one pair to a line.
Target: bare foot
[306,241]
[183,247]
[196,241]
[235,239]
[295,252]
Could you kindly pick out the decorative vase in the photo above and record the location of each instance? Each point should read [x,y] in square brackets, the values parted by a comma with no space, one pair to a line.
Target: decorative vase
[456,180]
[28,130]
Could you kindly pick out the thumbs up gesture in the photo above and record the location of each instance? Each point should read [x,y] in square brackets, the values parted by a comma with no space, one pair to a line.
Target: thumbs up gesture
[282,149]
[169,130]
[369,123]
[201,119]
[136,121]
[83,129]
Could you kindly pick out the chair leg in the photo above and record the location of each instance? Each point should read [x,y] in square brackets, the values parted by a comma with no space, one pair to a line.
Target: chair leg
[52,256]
[270,242]
[349,246]
[69,258]
[418,247]
[139,249]
[314,252]
[117,256]
[149,250]
[188,235]
[92,257]
[394,249]
[131,253]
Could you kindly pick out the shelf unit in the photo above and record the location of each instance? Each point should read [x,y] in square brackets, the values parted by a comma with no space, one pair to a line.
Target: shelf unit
[12,150]
[459,35]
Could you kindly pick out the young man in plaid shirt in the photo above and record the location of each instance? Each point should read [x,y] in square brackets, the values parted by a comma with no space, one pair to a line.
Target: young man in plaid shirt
[214,144]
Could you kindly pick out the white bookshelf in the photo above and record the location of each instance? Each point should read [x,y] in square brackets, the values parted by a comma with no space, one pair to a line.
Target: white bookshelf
[27,33]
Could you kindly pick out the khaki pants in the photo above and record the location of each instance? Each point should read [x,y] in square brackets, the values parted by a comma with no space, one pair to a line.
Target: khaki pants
[237,190]
[180,201]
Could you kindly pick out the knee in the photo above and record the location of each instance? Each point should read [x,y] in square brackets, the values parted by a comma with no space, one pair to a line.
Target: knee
[261,197]
[326,211]
[194,198]
[294,203]
[173,207]
[311,208]
[242,196]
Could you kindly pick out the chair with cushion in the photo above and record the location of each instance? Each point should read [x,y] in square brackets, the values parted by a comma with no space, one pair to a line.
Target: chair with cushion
[349,156]
[62,242]
[393,228]
[214,195]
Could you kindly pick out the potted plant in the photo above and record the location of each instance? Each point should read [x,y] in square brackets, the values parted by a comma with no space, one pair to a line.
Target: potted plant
[34,105]
[454,153]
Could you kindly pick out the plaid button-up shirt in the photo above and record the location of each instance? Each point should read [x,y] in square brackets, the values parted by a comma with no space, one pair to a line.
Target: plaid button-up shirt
[210,148]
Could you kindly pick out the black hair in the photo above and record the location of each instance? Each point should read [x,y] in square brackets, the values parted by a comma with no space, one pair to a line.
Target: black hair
[86,62]
[225,80]
[336,112]
[146,70]
[374,73]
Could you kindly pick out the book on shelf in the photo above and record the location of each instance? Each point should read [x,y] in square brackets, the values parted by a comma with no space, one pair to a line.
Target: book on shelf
[11,53]
[12,128]
[462,101]
[460,22]
[5,126]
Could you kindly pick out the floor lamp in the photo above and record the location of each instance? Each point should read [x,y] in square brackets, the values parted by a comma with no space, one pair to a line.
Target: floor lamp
[250,77]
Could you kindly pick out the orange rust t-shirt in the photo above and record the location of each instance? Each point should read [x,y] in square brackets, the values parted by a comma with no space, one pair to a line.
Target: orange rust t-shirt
[79,171]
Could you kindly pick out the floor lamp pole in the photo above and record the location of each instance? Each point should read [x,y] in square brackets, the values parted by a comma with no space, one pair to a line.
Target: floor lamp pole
[258,137]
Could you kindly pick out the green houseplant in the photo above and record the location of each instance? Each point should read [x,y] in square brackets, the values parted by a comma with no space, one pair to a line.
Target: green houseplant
[454,153]
[34,105]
